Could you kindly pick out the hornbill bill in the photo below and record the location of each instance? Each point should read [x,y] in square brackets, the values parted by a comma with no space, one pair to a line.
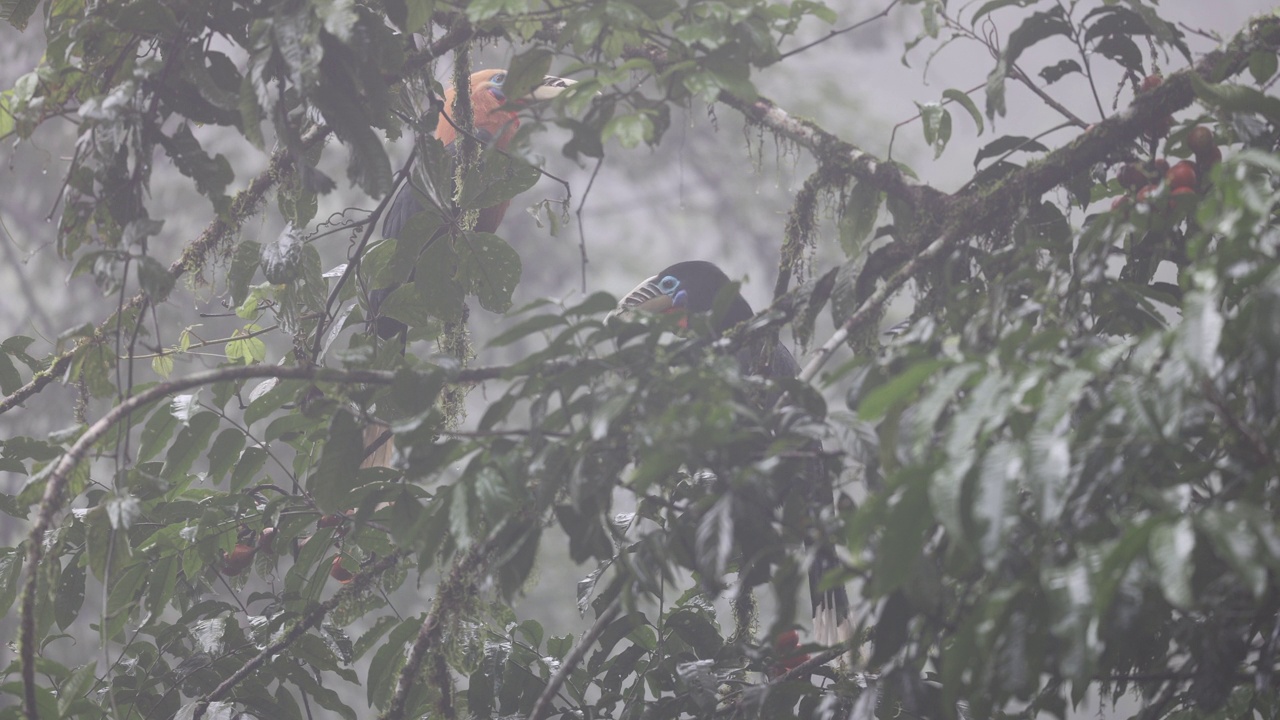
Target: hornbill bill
[692,287]
[495,121]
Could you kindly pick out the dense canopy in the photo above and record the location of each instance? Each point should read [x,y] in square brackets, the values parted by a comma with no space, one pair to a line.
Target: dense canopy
[1050,491]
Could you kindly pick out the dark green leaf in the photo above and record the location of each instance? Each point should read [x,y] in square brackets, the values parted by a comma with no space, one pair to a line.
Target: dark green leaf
[967,103]
[526,72]
[1055,72]
[189,445]
[244,264]
[1008,144]
[898,390]
[224,453]
[490,268]
[334,477]
[250,464]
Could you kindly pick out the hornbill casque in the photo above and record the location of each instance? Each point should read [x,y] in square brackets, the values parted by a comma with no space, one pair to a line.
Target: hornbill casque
[495,122]
[692,287]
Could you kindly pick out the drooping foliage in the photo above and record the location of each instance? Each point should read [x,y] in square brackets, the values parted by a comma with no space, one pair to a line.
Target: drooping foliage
[1059,477]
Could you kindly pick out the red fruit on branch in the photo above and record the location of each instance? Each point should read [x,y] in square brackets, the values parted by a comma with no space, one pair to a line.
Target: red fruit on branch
[235,562]
[339,573]
[1182,175]
[1209,158]
[1200,140]
[1131,176]
[328,521]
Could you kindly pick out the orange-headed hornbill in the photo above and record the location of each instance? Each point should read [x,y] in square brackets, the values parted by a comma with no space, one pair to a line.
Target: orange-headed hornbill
[495,121]
[692,287]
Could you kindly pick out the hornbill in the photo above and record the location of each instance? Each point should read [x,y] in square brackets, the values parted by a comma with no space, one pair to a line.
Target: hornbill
[692,287]
[495,121]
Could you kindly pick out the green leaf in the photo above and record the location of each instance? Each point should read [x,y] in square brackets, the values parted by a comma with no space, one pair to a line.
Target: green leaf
[1237,98]
[498,177]
[490,268]
[1037,27]
[1171,546]
[526,72]
[967,103]
[212,175]
[270,401]
[878,401]
[17,12]
[1262,65]
[10,380]
[436,281]
[70,595]
[630,130]
[162,365]
[1055,72]
[189,445]
[224,454]
[335,476]
[11,559]
[244,264]
[1007,144]
[154,278]
[250,464]
[994,5]
[156,433]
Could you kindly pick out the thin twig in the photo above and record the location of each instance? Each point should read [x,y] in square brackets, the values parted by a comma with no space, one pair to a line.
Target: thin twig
[356,585]
[836,33]
[543,704]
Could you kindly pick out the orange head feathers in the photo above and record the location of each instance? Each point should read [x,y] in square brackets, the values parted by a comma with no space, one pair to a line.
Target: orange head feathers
[494,117]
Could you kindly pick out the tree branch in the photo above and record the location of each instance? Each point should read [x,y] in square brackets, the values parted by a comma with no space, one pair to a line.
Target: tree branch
[245,204]
[543,703]
[362,581]
[56,482]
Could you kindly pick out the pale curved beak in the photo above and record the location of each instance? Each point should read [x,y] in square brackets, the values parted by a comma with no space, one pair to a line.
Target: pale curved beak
[551,86]
[646,296]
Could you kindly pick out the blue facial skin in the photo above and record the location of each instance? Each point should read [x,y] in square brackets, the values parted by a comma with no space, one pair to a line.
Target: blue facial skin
[680,300]
[495,88]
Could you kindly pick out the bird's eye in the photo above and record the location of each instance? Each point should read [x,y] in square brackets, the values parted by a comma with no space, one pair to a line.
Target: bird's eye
[668,284]
[499,78]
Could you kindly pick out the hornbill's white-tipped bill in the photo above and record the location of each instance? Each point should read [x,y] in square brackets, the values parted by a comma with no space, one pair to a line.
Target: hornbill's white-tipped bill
[550,87]
[646,296]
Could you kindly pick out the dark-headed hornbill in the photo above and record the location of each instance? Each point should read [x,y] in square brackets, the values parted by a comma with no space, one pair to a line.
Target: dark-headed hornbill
[692,287]
[495,121]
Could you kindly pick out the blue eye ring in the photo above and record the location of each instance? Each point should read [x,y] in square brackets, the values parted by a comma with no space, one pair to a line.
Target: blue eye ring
[668,284]
[498,79]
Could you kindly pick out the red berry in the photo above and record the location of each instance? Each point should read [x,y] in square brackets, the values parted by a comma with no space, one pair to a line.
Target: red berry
[1150,82]
[786,640]
[1131,176]
[1183,190]
[1210,157]
[1160,166]
[339,573]
[328,521]
[1200,140]
[1120,203]
[234,562]
[1182,175]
